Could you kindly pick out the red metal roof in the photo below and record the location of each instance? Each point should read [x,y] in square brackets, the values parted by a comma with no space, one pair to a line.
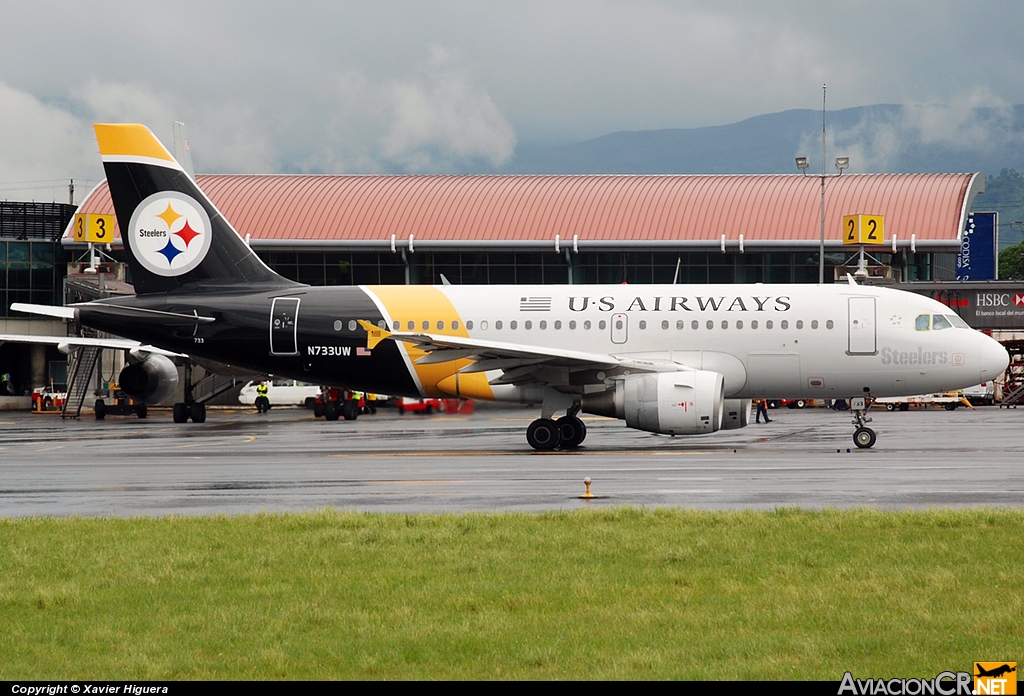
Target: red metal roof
[595,208]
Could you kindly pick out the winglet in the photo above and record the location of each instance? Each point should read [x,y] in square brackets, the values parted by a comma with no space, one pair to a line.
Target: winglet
[374,334]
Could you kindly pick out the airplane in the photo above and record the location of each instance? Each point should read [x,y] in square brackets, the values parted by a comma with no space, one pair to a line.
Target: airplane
[671,359]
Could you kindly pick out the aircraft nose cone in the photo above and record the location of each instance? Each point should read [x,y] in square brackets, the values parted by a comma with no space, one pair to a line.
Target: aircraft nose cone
[993,358]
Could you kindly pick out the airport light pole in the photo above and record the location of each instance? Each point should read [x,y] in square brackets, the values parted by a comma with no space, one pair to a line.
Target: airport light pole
[803,164]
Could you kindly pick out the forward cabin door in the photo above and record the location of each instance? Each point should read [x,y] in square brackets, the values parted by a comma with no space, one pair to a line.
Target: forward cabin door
[284,325]
[862,326]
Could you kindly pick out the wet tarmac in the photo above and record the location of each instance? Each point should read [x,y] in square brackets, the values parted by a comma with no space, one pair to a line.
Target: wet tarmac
[240,462]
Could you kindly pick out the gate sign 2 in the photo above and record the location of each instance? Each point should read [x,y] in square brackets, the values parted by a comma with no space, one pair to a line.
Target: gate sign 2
[863,229]
[976,259]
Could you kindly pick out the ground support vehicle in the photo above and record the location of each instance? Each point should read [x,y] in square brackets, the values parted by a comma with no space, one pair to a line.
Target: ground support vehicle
[49,398]
[950,400]
[427,406]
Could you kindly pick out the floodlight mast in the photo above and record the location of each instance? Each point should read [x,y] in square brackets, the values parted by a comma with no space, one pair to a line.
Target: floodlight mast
[803,164]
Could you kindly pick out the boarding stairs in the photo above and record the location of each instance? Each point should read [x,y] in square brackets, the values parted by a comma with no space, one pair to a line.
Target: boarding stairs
[82,368]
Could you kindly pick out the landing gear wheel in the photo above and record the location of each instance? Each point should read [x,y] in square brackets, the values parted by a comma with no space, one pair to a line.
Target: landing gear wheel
[141,411]
[197,412]
[571,431]
[101,409]
[864,438]
[180,413]
[331,410]
[543,434]
[350,410]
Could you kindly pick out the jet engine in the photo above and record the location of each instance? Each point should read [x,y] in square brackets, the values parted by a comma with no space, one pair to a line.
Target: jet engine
[737,414]
[687,402]
[152,379]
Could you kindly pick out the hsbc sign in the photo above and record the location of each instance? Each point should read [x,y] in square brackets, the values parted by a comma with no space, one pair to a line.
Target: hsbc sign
[994,310]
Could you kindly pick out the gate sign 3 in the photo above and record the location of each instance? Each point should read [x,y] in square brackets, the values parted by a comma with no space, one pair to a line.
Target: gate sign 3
[91,227]
[976,259]
[863,229]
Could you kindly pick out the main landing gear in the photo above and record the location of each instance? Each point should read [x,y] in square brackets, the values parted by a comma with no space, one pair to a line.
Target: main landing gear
[864,437]
[566,432]
[190,408]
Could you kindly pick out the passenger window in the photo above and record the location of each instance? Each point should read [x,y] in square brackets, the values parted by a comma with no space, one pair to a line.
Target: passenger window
[739,324]
[814,323]
[411,325]
[799,323]
[664,324]
[483,325]
[572,325]
[711,324]
[440,325]
[558,324]
[455,325]
[426,326]
[497,325]
[940,322]
[397,325]
[753,323]
[768,324]
[694,324]
[725,324]
[829,324]
[352,324]
[513,325]
[784,324]
[543,325]
[643,325]
[921,323]
[602,324]
[528,325]
[680,324]
[586,325]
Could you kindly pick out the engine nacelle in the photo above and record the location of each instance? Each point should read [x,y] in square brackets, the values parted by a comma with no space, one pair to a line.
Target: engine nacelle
[737,414]
[687,402]
[151,380]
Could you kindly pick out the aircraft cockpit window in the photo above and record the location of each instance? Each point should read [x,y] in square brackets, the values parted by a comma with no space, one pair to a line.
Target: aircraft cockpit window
[940,322]
[922,323]
[957,321]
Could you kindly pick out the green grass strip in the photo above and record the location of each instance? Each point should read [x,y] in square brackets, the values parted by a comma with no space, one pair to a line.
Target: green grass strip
[608,594]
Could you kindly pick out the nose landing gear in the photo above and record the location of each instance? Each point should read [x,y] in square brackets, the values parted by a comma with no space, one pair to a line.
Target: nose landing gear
[864,437]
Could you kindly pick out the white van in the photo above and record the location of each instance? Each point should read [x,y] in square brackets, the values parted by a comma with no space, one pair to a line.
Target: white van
[281,392]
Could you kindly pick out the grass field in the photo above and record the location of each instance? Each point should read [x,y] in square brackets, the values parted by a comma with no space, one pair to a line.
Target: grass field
[619,594]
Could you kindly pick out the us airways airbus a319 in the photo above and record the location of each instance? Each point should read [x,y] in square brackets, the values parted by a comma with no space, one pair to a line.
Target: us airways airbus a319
[674,359]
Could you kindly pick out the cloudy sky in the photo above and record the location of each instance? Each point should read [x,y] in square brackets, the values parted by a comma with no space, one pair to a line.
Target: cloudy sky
[423,87]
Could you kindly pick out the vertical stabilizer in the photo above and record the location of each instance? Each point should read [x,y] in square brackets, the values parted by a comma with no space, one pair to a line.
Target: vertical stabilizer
[174,237]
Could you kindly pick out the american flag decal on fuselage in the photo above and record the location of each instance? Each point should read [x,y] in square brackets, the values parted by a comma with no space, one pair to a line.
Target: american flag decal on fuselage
[534,304]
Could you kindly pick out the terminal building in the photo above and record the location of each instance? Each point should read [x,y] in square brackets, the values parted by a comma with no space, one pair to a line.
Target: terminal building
[339,230]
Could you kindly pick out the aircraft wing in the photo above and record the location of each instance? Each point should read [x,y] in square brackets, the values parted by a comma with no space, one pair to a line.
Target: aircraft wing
[64,343]
[519,361]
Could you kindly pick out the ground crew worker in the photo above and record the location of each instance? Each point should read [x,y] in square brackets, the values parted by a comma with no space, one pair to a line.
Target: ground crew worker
[262,402]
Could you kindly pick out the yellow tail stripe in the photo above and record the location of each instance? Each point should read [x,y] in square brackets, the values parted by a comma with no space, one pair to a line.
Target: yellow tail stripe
[129,139]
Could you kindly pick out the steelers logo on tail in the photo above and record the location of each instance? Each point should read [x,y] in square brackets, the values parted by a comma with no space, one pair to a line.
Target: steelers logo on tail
[170,233]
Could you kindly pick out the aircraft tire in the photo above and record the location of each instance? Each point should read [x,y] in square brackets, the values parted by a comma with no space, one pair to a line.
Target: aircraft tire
[864,438]
[350,410]
[543,434]
[180,413]
[141,411]
[331,410]
[197,412]
[571,432]
[101,409]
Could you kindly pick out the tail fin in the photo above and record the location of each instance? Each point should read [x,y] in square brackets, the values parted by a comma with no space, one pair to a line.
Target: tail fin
[173,235]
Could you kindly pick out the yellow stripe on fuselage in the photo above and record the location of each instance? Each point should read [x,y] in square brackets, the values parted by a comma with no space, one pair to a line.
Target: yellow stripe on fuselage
[129,140]
[419,303]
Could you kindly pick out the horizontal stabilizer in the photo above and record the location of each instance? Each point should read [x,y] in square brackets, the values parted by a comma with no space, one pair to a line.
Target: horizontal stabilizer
[45,310]
[144,316]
